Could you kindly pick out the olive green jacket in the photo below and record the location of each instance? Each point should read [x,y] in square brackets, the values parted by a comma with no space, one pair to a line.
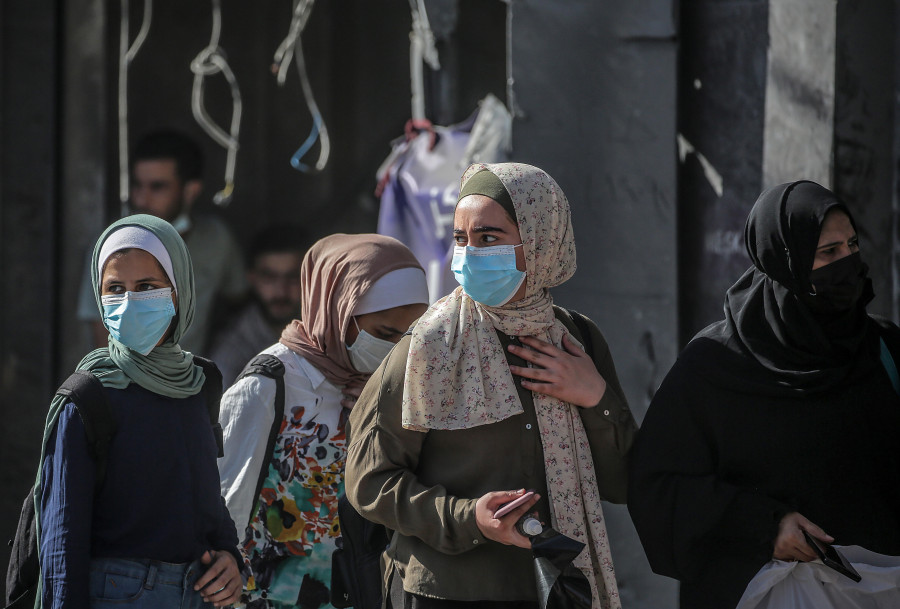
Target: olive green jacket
[424,486]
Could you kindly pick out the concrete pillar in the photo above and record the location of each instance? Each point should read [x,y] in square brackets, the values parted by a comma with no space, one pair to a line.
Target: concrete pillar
[28,252]
[800,86]
[595,83]
[86,170]
[864,164]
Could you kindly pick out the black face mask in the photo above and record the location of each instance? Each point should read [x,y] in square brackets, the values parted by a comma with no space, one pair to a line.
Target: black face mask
[838,286]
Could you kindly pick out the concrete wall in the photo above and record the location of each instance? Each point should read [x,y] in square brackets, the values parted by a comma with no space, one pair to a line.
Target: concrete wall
[721,99]
[596,84]
[864,165]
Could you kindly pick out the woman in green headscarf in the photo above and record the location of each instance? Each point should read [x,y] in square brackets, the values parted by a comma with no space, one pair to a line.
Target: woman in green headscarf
[154,530]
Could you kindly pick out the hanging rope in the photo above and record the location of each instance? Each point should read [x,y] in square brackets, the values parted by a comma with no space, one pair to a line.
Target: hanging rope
[126,56]
[209,62]
[292,48]
[511,103]
[421,47]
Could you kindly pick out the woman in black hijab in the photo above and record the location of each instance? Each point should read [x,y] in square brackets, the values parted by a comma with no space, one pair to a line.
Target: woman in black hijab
[781,418]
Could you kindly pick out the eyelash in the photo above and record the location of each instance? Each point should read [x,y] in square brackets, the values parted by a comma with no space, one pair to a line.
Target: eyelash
[119,289]
[852,243]
[462,239]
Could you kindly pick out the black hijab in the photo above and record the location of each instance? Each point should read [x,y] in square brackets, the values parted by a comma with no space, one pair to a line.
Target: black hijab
[766,315]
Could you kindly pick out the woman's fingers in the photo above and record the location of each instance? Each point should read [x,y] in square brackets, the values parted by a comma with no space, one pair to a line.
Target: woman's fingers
[538,374]
[541,346]
[572,347]
[221,583]
[350,394]
[568,375]
[503,529]
[790,544]
[817,532]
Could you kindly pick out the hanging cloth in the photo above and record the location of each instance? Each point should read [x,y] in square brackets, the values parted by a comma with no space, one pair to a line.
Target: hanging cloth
[419,184]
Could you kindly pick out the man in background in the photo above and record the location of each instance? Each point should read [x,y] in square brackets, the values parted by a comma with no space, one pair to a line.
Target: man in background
[273,273]
[166,182]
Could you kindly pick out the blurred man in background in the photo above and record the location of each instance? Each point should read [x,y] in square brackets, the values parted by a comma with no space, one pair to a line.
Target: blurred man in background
[166,182]
[273,272]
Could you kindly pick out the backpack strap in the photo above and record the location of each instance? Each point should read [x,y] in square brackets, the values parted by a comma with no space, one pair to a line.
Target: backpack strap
[85,390]
[213,388]
[889,343]
[356,566]
[889,366]
[584,330]
[268,365]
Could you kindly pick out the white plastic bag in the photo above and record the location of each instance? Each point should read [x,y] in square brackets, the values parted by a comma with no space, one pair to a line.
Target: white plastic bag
[812,585]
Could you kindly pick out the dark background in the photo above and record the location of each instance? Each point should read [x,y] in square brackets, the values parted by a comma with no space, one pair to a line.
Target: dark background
[603,90]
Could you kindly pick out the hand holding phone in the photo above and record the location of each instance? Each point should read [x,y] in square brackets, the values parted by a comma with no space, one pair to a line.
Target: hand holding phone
[506,508]
[829,555]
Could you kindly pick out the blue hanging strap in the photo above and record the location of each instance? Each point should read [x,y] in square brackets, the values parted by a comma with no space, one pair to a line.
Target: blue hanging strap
[888,362]
[296,162]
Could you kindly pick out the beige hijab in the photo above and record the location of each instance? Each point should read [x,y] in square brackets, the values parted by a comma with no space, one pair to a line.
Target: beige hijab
[336,272]
[457,375]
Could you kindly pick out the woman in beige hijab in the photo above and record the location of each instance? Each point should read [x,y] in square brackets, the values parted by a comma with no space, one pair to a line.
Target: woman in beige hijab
[360,293]
[492,394]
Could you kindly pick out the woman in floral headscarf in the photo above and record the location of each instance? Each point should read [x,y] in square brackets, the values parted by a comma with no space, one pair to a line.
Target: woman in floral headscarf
[492,394]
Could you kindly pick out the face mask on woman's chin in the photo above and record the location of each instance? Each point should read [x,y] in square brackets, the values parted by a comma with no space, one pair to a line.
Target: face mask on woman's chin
[367,352]
[838,286]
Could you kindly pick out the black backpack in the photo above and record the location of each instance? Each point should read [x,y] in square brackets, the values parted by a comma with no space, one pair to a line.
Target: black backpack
[269,366]
[86,392]
[356,567]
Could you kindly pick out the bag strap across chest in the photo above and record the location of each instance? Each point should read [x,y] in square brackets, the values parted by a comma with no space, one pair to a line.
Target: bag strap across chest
[271,367]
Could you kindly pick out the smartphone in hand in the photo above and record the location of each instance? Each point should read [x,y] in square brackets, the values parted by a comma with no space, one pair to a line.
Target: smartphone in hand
[829,555]
[506,508]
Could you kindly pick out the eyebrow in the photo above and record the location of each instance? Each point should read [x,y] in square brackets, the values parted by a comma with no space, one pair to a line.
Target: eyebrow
[833,243]
[143,280]
[480,229]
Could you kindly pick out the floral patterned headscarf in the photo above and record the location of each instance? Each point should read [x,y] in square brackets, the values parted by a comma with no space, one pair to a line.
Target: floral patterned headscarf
[457,375]
[457,332]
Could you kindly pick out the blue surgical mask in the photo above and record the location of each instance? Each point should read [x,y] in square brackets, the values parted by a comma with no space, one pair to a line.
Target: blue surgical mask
[138,319]
[487,274]
[367,351]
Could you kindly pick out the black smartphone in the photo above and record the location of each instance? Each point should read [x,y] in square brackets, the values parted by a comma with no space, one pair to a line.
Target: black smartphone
[831,557]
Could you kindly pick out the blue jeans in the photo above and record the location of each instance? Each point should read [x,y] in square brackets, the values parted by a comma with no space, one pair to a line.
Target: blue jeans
[144,584]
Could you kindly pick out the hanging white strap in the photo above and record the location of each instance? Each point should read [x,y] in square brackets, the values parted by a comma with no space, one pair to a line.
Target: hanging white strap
[511,104]
[126,56]
[421,47]
[292,48]
[210,61]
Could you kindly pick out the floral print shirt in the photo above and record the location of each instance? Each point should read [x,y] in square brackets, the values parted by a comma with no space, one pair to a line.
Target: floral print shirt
[290,530]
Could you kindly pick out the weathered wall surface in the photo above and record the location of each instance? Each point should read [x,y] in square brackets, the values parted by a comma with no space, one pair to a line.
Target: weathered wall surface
[596,86]
[721,99]
[29,37]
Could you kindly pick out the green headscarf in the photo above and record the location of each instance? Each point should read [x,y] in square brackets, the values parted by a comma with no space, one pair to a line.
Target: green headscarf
[166,370]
